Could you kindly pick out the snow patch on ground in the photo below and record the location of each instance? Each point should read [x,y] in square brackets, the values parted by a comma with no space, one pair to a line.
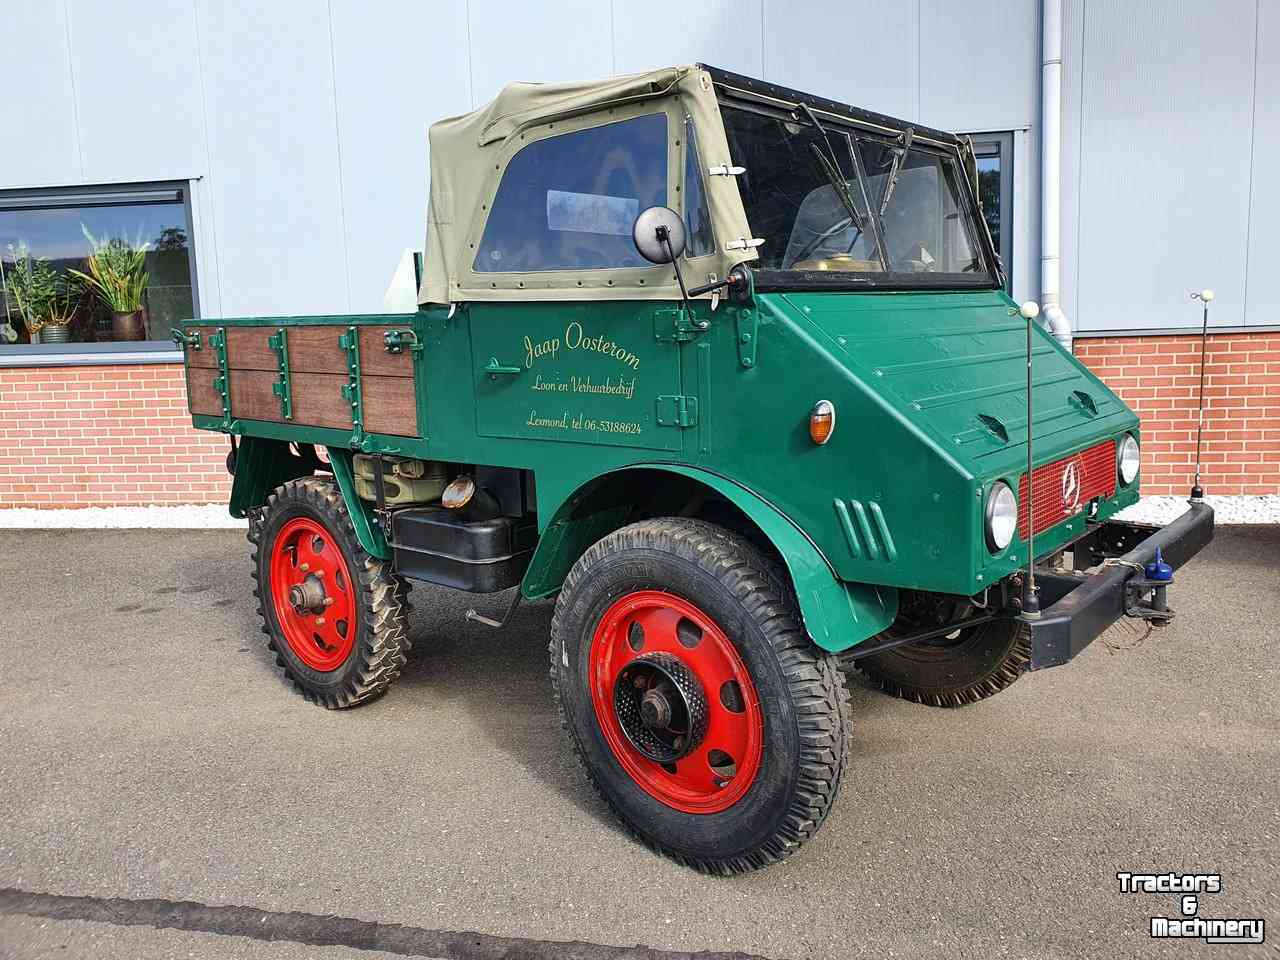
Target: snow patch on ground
[195,517]
[1226,510]
[214,516]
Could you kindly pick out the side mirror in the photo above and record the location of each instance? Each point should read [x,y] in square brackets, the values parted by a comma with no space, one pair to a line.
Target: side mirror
[659,235]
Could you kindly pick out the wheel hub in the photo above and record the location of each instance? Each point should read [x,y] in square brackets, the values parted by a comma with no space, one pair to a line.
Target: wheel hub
[313,594]
[661,707]
[308,595]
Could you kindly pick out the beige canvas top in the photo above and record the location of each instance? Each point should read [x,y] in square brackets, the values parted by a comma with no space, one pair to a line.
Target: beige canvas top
[470,153]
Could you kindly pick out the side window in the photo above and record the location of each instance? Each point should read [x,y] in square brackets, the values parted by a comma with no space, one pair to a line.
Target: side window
[697,219]
[569,202]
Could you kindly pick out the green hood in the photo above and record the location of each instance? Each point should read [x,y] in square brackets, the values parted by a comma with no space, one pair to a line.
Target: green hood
[954,365]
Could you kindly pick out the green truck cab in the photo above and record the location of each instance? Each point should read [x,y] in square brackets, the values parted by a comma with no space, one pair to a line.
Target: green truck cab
[729,371]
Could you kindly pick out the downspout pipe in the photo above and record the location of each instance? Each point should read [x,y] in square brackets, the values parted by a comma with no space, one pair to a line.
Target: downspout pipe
[1051,172]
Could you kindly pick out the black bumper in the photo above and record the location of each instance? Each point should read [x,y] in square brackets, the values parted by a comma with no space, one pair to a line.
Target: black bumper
[1077,608]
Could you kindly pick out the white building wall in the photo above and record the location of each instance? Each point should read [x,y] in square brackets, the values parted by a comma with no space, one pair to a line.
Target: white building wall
[302,123]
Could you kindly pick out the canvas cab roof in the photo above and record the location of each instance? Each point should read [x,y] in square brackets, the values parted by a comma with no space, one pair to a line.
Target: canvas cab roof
[532,197]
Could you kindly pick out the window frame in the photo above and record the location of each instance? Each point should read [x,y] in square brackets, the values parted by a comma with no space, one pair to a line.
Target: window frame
[577,283]
[771,280]
[1000,144]
[107,194]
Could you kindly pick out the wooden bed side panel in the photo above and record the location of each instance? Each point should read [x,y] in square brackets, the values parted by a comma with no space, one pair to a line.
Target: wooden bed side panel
[317,398]
[206,357]
[247,349]
[251,396]
[390,406]
[376,361]
[202,398]
[316,350]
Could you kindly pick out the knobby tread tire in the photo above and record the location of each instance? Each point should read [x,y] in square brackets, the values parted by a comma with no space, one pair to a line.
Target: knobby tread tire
[1011,664]
[382,600]
[814,684]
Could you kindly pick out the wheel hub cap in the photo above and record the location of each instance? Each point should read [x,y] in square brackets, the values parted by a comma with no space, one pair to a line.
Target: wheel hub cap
[661,707]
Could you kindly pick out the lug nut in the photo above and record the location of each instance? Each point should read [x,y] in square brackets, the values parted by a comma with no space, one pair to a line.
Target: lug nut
[304,567]
[319,621]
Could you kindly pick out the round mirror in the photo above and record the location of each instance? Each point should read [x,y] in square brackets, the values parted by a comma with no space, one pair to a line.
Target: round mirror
[659,234]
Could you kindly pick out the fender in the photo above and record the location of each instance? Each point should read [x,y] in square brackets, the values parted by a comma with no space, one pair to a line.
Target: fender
[837,615]
[261,465]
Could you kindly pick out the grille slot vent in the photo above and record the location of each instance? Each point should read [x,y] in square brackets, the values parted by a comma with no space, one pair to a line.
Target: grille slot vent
[865,530]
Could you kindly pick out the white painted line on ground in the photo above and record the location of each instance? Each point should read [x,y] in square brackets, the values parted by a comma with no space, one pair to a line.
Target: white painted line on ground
[196,517]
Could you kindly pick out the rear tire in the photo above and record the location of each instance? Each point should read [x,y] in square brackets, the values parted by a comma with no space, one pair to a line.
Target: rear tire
[954,671]
[347,642]
[688,608]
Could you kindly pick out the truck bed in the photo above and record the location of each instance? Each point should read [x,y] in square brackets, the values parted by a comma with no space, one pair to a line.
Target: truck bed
[334,372]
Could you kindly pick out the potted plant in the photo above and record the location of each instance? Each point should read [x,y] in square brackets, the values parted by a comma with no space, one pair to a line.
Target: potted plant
[46,300]
[118,277]
[59,310]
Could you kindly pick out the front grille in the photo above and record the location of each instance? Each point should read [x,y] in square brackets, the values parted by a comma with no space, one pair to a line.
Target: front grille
[1064,488]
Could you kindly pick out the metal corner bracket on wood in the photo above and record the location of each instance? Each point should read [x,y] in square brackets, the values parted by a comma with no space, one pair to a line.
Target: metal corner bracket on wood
[351,391]
[282,388]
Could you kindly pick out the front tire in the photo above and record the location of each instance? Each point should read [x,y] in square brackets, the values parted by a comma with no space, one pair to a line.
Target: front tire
[701,711]
[969,665]
[334,615]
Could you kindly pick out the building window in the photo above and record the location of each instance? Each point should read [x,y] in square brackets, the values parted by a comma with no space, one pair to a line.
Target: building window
[569,202]
[136,239]
[994,154]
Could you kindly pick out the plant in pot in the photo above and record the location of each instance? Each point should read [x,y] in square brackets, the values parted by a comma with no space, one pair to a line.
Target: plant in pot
[118,277]
[46,300]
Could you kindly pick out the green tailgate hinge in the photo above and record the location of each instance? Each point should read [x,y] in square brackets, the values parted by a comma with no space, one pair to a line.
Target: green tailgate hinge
[674,324]
[282,388]
[677,411]
[186,338]
[222,384]
[350,342]
[748,322]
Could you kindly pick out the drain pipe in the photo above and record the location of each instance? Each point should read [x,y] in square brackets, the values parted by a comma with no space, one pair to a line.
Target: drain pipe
[1051,171]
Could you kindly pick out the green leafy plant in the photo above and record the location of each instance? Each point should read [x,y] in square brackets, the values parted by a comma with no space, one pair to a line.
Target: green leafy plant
[117,272]
[44,297]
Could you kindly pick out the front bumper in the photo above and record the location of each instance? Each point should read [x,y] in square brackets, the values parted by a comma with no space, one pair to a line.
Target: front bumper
[1076,607]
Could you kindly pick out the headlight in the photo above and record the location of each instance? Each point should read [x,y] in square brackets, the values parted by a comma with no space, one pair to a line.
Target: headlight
[1127,458]
[1002,516]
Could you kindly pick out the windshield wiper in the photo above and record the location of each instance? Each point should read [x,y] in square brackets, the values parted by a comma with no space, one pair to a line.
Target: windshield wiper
[831,168]
[899,155]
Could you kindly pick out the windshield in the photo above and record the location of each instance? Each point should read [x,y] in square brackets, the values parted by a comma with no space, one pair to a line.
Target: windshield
[894,215]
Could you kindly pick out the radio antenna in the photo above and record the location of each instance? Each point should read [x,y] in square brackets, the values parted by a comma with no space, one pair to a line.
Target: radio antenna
[1204,296]
[1030,600]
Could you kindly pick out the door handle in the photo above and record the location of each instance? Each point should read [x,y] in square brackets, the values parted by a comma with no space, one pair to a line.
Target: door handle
[493,368]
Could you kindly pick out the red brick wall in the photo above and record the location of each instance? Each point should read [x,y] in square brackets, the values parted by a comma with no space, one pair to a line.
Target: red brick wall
[1159,378]
[104,436]
[118,435]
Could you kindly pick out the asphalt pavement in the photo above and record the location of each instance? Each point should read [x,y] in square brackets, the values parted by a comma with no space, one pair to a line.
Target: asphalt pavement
[164,793]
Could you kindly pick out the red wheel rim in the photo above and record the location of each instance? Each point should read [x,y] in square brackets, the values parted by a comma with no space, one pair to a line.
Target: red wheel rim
[650,622]
[312,592]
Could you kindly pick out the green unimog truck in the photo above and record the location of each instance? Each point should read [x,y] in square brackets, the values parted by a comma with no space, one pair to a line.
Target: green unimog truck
[729,371]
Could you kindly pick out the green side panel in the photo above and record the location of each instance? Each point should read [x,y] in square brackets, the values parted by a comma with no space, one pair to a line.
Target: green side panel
[837,615]
[584,373]
[367,530]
